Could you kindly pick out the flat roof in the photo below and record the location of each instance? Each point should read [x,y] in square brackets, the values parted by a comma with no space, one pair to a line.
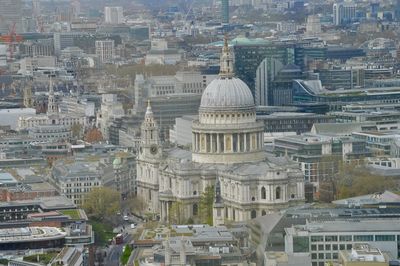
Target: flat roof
[7,178]
[30,234]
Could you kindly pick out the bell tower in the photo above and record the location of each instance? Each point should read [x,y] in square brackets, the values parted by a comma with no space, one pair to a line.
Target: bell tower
[52,108]
[218,206]
[150,139]
[28,101]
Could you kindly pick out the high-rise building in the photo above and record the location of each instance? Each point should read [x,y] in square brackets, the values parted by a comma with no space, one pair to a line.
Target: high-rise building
[113,15]
[250,53]
[75,8]
[225,11]
[105,50]
[313,26]
[35,8]
[343,13]
[266,72]
[397,10]
[10,14]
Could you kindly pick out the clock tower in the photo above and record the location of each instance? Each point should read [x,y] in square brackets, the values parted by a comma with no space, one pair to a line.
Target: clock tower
[150,140]
[148,161]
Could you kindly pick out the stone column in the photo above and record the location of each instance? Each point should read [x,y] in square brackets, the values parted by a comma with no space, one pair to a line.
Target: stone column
[218,144]
[245,141]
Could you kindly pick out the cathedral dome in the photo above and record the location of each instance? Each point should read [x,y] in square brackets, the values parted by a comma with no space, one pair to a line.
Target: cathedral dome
[226,94]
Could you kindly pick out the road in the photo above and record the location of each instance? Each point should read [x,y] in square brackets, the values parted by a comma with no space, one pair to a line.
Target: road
[115,251]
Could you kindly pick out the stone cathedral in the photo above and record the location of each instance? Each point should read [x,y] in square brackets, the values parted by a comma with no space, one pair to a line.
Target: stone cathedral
[227,153]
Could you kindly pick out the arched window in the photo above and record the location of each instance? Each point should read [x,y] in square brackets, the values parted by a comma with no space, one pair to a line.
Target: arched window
[253,214]
[278,193]
[263,213]
[195,209]
[263,193]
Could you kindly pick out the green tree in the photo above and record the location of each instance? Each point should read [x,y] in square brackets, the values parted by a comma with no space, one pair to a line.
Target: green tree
[206,205]
[358,180]
[137,204]
[76,130]
[102,202]
[176,213]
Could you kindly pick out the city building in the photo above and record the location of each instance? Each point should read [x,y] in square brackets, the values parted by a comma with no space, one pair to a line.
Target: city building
[313,26]
[227,152]
[363,254]
[113,15]
[343,13]
[318,155]
[31,238]
[225,11]
[77,179]
[105,51]
[10,14]
[160,54]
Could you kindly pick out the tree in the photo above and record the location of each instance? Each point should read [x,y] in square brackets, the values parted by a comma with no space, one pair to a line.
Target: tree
[76,130]
[206,205]
[102,202]
[93,135]
[356,181]
[176,213]
[137,204]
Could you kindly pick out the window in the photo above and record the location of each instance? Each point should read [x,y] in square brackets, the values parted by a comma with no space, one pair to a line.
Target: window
[313,247]
[195,209]
[327,247]
[330,238]
[334,247]
[385,238]
[342,247]
[263,193]
[317,238]
[314,256]
[320,247]
[335,256]
[328,256]
[321,256]
[278,193]
[349,246]
[263,213]
[364,238]
[300,244]
[345,238]
[253,214]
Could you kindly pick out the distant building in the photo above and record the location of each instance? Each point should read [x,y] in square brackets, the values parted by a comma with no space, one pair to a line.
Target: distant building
[363,254]
[225,11]
[10,13]
[105,50]
[160,54]
[77,179]
[113,15]
[313,26]
[343,13]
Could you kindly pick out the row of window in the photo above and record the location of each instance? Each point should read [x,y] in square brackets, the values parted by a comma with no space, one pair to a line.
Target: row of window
[349,238]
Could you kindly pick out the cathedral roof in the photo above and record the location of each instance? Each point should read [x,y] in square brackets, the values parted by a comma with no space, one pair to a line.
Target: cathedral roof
[226,92]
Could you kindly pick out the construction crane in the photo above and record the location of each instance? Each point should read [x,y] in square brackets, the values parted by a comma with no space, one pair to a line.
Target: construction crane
[11,39]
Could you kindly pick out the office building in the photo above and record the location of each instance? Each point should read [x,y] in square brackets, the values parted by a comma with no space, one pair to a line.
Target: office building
[225,11]
[313,26]
[10,14]
[105,51]
[77,179]
[343,13]
[249,54]
[113,15]
[265,74]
